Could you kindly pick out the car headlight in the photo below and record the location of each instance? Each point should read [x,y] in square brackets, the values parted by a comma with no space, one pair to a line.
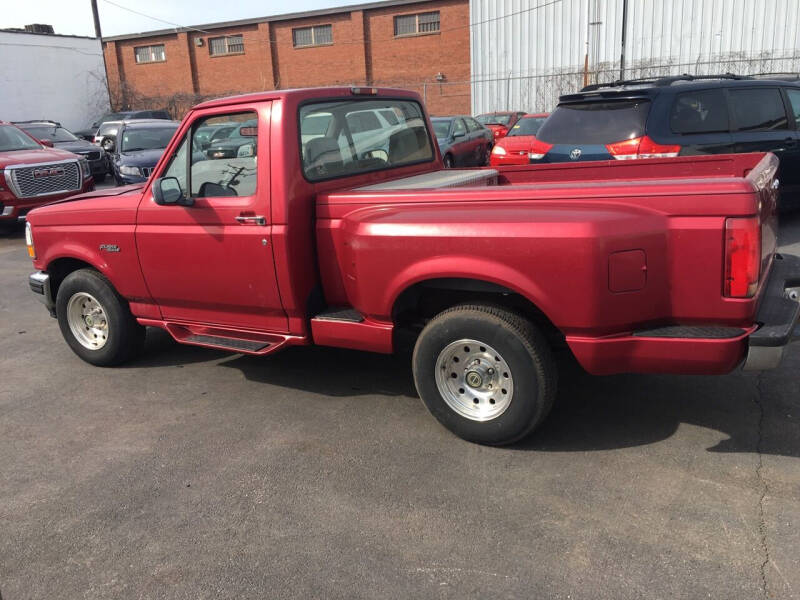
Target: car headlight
[133,171]
[86,170]
[499,150]
[29,240]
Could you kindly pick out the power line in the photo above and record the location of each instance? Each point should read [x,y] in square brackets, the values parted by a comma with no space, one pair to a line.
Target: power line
[358,41]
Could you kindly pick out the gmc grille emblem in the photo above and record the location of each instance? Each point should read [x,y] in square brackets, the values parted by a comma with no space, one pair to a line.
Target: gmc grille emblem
[48,172]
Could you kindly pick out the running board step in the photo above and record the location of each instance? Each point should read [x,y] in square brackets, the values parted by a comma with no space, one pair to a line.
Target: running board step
[226,343]
[340,313]
[713,332]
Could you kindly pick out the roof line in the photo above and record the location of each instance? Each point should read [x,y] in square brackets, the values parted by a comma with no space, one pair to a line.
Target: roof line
[271,19]
[66,35]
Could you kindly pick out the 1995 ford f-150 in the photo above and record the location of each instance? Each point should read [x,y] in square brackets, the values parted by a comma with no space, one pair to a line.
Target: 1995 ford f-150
[331,221]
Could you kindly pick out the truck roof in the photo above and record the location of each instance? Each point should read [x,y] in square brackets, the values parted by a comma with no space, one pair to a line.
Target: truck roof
[302,93]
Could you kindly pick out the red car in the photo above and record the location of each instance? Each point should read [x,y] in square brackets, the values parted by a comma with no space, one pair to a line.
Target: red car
[310,234]
[513,149]
[32,174]
[500,122]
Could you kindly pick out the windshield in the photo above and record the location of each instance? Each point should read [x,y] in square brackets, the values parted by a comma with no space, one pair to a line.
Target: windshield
[493,119]
[441,128]
[596,122]
[527,126]
[146,138]
[54,134]
[346,137]
[12,139]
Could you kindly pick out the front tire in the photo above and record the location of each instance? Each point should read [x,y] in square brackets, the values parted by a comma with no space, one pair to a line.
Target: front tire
[485,373]
[96,321]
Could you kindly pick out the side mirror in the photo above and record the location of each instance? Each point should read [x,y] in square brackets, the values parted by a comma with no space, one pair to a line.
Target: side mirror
[167,191]
[47,143]
[458,134]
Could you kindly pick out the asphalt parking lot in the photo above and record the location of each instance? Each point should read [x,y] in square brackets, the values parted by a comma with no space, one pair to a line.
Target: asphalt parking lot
[317,473]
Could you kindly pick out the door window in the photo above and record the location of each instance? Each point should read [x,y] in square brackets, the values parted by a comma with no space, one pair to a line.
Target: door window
[473,124]
[794,101]
[758,109]
[703,111]
[459,128]
[225,167]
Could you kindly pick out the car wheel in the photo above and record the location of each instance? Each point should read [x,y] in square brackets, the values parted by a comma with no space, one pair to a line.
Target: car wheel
[96,321]
[448,161]
[100,178]
[485,373]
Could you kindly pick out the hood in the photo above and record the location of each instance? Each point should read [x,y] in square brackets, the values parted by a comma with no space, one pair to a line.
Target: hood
[517,142]
[43,155]
[111,206]
[140,158]
[77,146]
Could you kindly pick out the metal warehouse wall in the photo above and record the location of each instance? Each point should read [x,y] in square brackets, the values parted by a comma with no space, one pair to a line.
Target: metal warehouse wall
[525,53]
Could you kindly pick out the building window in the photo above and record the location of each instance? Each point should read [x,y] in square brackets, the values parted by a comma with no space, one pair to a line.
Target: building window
[318,35]
[230,44]
[416,24]
[149,54]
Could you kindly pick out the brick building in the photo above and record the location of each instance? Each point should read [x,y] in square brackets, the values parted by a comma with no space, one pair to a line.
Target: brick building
[422,45]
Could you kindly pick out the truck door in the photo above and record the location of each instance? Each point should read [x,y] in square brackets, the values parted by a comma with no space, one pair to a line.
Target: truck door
[212,262]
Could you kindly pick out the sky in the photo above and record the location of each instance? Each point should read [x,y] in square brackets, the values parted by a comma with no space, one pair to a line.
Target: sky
[74,17]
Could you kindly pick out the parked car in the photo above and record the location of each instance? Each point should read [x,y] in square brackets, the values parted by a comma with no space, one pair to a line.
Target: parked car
[500,122]
[463,142]
[236,143]
[53,135]
[678,116]
[658,266]
[91,131]
[513,148]
[106,136]
[137,148]
[34,174]
[209,134]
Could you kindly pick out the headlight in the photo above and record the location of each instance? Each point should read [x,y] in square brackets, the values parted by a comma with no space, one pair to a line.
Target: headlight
[86,170]
[29,240]
[499,150]
[133,171]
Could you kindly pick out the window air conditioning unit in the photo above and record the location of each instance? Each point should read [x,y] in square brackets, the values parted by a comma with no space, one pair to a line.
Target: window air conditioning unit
[198,41]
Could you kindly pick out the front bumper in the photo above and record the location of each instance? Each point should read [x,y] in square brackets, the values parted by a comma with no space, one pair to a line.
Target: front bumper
[778,315]
[39,283]
[15,209]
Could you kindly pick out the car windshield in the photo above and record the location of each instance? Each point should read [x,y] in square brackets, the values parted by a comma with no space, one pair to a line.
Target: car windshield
[146,138]
[347,137]
[54,134]
[12,139]
[527,126]
[441,128]
[600,122]
[493,119]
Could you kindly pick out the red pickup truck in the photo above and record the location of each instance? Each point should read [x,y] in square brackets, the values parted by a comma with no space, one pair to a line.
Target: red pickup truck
[331,221]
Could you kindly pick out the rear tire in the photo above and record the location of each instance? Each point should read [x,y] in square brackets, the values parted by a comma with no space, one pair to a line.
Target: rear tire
[96,321]
[485,373]
[448,161]
[100,178]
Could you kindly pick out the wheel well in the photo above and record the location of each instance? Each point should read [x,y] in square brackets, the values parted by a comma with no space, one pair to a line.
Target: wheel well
[60,268]
[419,303]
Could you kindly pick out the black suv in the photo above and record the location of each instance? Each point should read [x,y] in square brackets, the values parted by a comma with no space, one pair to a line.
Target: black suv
[91,131]
[679,116]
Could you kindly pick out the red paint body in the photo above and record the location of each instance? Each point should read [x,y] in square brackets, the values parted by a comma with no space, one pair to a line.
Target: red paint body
[601,249]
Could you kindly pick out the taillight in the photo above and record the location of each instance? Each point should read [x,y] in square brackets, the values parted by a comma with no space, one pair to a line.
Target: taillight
[539,149]
[742,256]
[641,147]
[500,132]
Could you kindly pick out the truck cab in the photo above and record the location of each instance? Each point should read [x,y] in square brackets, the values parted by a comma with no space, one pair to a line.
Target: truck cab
[308,232]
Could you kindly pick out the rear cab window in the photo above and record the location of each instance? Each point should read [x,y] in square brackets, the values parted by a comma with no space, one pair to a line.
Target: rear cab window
[340,138]
[596,121]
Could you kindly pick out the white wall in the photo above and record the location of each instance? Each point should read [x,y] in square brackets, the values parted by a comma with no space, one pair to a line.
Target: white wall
[525,53]
[51,77]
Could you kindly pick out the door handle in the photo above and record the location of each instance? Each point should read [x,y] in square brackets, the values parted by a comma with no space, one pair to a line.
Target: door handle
[254,219]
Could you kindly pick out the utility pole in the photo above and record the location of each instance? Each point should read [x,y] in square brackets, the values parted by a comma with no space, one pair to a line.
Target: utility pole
[98,33]
[624,29]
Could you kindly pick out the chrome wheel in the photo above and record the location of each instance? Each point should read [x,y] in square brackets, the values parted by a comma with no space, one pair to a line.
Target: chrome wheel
[474,380]
[87,321]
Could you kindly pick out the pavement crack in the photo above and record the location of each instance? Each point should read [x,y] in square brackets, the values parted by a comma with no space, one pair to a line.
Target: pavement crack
[762,524]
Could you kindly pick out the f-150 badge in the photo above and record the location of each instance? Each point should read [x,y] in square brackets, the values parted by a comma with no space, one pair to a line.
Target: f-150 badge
[109,247]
